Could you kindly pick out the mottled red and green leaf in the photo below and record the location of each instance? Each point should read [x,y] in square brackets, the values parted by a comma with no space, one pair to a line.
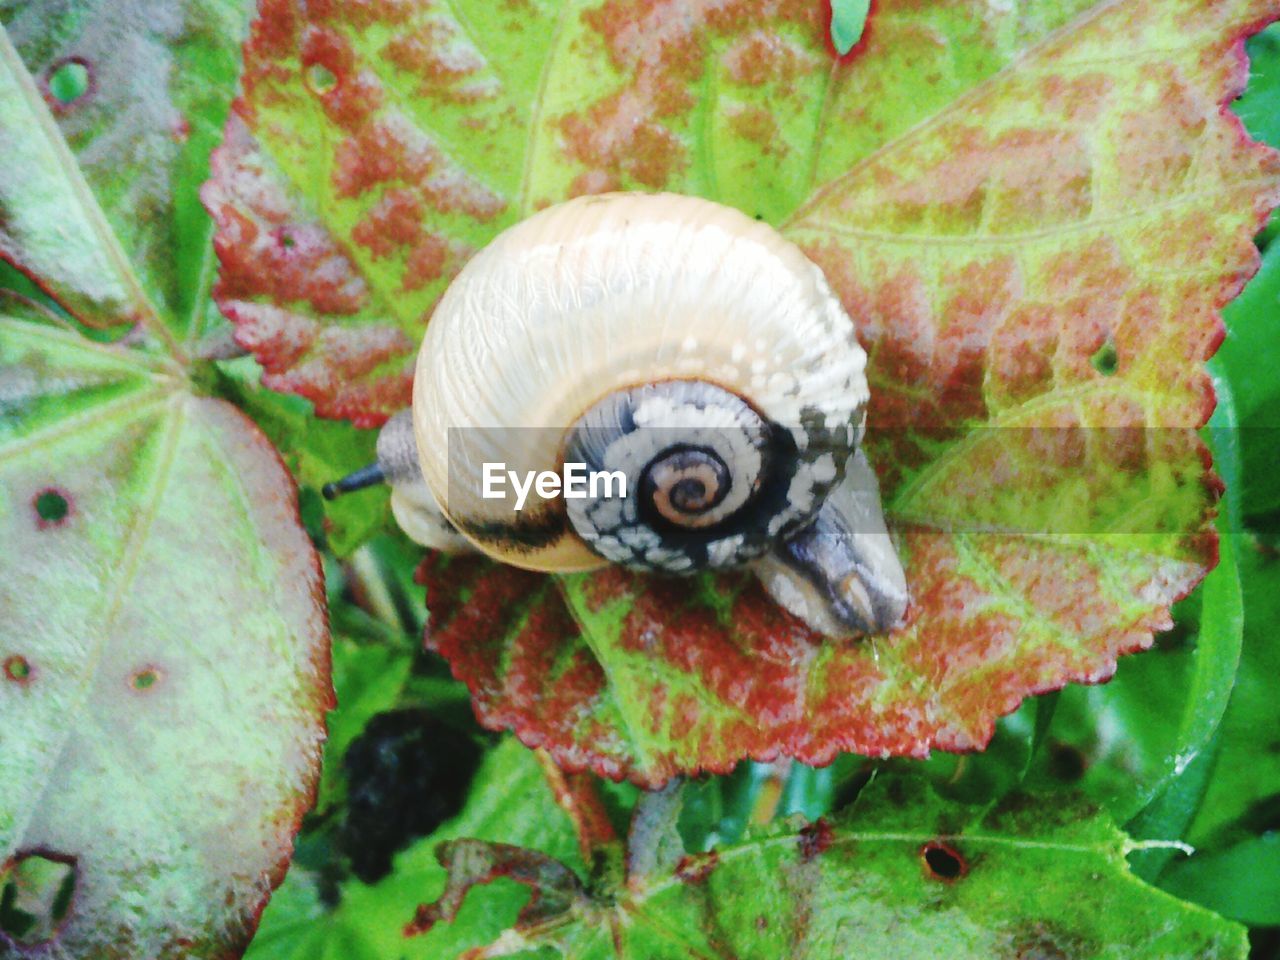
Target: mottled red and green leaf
[1033,212]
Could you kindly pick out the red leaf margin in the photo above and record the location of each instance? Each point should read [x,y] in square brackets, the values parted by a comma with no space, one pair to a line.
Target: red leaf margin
[321,661]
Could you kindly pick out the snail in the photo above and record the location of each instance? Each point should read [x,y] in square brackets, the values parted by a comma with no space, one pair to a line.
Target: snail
[676,345]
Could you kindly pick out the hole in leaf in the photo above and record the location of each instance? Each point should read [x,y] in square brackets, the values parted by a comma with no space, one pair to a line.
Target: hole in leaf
[52,507]
[17,668]
[1105,359]
[943,862]
[35,897]
[319,79]
[145,678]
[1067,763]
[68,81]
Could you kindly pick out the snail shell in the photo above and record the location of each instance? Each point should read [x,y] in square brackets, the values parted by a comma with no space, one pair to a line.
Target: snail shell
[685,345]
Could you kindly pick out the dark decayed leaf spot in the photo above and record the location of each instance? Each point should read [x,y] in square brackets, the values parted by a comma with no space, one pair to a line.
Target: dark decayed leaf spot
[68,82]
[18,669]
[407,773]
[815,839]
[52,507]
[943,862]
[145,678]
[554,889]
[1067,763]
[319,79]
[1105,360]
[36,890]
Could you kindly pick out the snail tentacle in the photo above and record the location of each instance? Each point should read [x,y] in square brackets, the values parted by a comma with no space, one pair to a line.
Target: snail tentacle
[413,504]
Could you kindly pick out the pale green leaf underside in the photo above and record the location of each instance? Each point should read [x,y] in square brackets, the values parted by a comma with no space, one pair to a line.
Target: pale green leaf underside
[167,732]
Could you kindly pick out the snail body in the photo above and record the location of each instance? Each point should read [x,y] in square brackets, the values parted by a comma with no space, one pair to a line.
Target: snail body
[679,344]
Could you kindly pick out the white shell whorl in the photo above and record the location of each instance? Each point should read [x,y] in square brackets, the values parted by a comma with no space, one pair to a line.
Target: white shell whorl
[606,292]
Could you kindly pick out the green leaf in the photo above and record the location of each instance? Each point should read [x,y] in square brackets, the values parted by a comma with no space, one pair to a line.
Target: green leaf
[367,680]
[848,20]
[50,227]
[1246,779]
[1253,329]
[510,802]
[164,646]
[1124,742]
[902,874]
[1139,739]
[1241,881]
[1166,818]
[315,451]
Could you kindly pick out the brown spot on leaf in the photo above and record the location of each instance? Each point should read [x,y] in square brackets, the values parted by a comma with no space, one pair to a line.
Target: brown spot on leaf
[764,56]
[553,887]
[362,14]
[694,868]
[145,679]
[943,862]
[348,94]
[443,63]
[1044,940]
[630,133]
[759,126]
[815,839]
[53,507]
[68,84]
[432,258]
[18,669]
